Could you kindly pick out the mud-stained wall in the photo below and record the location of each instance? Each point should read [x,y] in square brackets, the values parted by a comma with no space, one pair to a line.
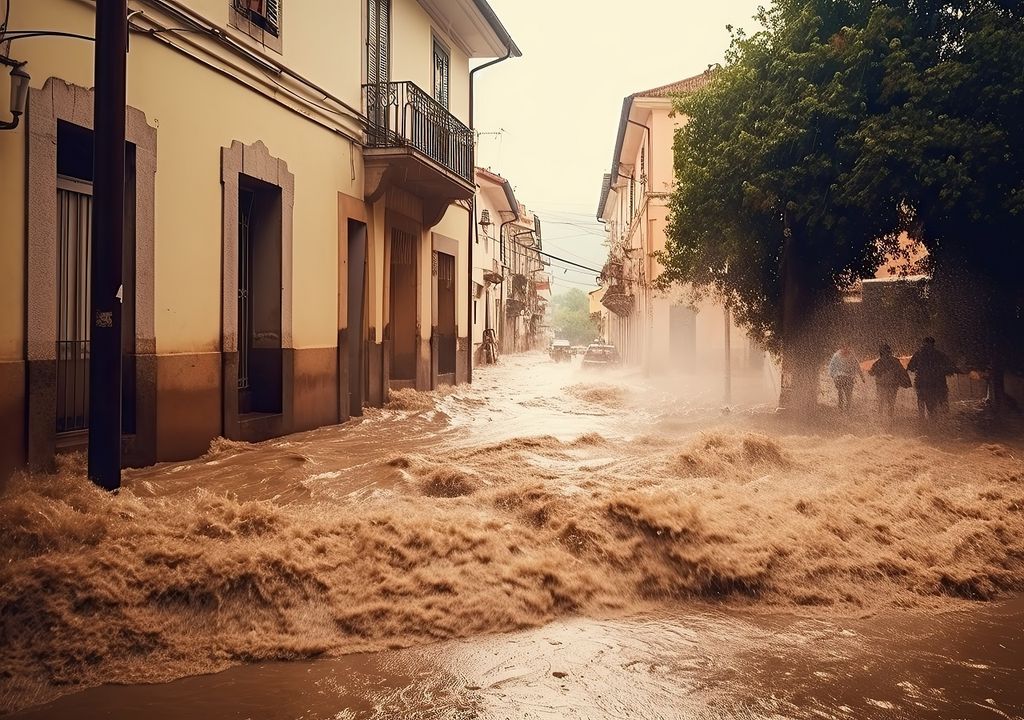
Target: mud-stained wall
[200,96]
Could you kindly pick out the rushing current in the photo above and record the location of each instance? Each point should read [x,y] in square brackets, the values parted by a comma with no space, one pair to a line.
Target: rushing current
[582,545]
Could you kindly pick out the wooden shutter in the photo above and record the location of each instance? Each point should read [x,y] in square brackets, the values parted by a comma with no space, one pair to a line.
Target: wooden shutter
[442,62]
[378,41]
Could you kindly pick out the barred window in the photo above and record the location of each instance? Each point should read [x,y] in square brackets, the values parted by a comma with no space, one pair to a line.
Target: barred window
[265,14]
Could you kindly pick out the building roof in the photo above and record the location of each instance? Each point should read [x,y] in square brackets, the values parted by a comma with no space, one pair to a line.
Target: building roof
[475,24]
[606,186]
[499,29]
[496,179]
[679,87]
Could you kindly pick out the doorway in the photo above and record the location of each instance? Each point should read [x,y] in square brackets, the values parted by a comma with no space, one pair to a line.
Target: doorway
[403,307]
[445,323]
[358,377]
[259,297]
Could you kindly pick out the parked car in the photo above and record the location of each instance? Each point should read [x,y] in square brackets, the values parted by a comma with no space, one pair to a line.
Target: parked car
[578,350]
[561,351]
[601,356]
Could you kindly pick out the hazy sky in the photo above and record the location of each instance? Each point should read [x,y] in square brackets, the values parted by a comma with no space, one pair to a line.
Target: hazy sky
[557,108]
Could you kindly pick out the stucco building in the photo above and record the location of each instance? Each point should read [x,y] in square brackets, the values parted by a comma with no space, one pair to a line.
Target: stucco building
[300,185]
[659,331]
[513,288]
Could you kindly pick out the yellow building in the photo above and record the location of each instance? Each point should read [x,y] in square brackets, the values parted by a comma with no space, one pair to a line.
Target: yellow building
[300,184]
[658,331]
[496,205]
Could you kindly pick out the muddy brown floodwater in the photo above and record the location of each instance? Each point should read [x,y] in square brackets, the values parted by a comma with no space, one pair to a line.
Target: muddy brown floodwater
[543,544]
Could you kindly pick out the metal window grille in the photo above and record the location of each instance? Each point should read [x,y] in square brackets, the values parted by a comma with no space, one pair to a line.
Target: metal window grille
[445,269]
[632,196]
[643,170]
[402,247]
[74,226]
[246,200]
[263,13]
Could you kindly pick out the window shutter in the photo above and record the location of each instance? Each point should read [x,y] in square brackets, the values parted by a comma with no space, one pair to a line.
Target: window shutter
[378,41]
[272,14]
[441,72]
[384,46]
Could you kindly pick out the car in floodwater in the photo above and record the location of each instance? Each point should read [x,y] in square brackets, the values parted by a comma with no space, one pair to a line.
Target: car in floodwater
[561,351]
[600,356]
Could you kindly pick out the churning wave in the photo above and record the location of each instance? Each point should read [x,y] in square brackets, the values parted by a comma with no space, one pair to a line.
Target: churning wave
[145,586]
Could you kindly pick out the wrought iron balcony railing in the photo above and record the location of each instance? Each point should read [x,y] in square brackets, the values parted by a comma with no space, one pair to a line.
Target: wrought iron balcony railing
[403,115]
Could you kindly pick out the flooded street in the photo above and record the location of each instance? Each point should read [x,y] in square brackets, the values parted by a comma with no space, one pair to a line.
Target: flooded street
[543,544]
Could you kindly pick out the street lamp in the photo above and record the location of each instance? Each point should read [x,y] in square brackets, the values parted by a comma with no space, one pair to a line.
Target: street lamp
[19,93]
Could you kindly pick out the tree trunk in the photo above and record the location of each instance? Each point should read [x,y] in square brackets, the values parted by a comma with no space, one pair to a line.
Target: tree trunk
[799,352]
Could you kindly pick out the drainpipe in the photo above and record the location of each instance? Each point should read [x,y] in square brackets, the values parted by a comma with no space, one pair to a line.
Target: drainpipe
[501,254]
[471,236]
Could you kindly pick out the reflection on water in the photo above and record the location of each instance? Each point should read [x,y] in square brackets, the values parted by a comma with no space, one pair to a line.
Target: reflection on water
[704,663]
[539,497]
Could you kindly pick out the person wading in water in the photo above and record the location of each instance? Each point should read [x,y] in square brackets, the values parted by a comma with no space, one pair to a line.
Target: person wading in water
[889,378]
[930,368]
[843,368]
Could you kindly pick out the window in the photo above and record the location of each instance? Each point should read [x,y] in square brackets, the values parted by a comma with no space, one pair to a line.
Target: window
[632,196]
[378,42]
[260,20]
[265,14]
[442,63]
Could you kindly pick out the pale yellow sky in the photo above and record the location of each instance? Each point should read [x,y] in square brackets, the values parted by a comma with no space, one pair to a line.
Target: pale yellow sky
[559,104]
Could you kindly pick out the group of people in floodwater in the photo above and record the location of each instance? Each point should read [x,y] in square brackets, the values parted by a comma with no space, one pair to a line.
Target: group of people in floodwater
[929,365]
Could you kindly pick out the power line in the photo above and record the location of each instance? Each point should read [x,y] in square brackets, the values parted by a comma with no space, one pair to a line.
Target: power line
[591,229]
[549,244]
[568,262]
[592,286]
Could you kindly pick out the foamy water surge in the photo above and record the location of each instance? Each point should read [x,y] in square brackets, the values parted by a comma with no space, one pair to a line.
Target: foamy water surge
[464,539]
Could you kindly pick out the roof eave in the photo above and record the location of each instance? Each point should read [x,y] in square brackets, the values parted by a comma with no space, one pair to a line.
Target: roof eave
[484,8]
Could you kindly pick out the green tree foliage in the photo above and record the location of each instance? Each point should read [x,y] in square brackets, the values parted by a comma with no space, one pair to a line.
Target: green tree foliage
[761,213]
[836,127]
[945,143]
[571,317]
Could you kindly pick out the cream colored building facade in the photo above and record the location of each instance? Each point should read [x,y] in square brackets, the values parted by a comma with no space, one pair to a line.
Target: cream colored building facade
[496,204]
[513,288]
[659,331]
[299,202]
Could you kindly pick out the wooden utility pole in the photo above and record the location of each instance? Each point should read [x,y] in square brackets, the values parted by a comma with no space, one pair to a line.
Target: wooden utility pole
[107,243]
[728,356]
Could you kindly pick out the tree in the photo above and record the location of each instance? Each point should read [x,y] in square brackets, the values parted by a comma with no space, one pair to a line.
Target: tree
[761,214]
[840,125]
[571,317]
[945,143]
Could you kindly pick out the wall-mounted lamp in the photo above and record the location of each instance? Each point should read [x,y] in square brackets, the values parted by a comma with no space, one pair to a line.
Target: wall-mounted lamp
[19,93]
[485,219]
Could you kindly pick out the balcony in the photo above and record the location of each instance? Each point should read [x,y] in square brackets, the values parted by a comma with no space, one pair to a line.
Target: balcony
[413,142]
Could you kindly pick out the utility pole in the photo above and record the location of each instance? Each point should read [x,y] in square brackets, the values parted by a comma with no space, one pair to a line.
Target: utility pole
[728,355]
[107,243]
